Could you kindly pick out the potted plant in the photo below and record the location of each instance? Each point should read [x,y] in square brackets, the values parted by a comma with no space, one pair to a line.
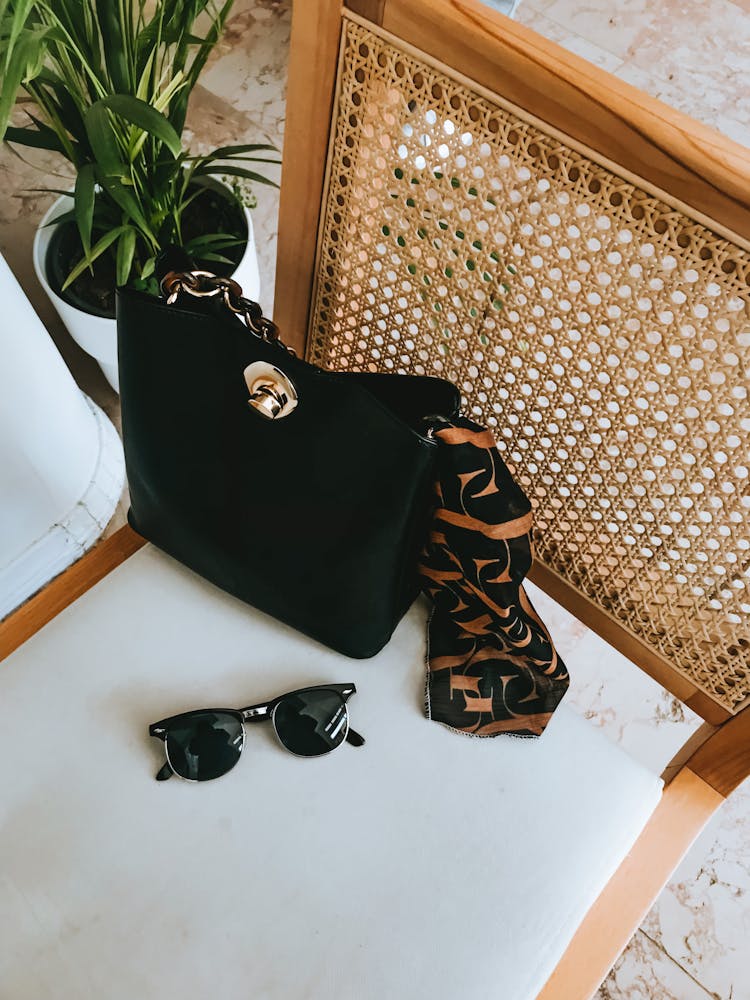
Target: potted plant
[110,83]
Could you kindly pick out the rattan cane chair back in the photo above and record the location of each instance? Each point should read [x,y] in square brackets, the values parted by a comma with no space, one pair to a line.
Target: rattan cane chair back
[600,331]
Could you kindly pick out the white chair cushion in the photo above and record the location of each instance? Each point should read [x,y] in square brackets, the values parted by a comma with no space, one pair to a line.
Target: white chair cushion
[424,865]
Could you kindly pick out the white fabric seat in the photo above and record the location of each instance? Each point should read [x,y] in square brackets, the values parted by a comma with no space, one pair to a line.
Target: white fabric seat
[423,865]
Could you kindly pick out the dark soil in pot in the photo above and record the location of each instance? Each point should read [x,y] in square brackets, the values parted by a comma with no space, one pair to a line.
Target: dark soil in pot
[212,211]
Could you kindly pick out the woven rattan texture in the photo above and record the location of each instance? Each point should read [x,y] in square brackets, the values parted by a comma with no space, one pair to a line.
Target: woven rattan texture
[602,335]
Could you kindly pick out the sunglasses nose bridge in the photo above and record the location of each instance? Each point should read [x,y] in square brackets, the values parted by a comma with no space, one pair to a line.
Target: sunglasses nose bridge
[255,714]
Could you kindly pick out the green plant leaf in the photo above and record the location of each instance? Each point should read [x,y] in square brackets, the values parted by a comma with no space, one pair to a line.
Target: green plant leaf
[125,252]
[178,108]
[41,126]
[60,220]
[17,23]
[96,251]
[177,83]
[146,44]
[148,285]
[107,13]
[138,113]
[148,268]
[219,16]
[60,191]
[103,141]
[215,241]
[232,171]
[59,106]
[219,258]
[33,138]
[226,151]
[84,204]
[229,160]
[128,202]
[145,81]
[23,56]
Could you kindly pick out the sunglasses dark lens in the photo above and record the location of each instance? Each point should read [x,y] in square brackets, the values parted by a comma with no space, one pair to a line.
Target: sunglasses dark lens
[311,723]
[204,745]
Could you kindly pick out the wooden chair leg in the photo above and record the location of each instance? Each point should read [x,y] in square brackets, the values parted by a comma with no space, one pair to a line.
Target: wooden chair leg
[687,804]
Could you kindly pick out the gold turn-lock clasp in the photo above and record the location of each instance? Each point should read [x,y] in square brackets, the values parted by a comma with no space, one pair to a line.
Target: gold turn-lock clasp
[272,392]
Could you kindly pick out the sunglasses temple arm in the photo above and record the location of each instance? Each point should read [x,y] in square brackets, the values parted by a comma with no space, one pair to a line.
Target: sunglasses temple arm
[354,738]
[164,773]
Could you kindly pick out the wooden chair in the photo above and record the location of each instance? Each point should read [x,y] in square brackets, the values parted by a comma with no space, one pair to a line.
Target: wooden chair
[573,254]
[461,197]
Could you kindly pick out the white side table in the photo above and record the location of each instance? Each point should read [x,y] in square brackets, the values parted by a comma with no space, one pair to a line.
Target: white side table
[61,461]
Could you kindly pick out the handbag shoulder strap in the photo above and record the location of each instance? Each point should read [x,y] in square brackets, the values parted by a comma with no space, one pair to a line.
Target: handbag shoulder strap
[178,276]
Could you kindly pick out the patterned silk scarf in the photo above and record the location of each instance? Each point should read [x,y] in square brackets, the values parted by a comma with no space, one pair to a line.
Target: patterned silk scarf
[492,667]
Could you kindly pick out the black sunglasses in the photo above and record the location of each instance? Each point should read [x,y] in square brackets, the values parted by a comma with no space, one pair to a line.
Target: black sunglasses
[207,743]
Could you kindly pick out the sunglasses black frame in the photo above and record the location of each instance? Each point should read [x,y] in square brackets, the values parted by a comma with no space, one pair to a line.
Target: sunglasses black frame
[261,712]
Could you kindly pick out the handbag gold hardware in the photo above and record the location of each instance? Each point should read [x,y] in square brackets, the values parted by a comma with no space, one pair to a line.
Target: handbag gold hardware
[204,284]
[272,393]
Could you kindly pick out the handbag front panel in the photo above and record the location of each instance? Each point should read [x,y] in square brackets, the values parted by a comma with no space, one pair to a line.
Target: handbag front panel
[315,518]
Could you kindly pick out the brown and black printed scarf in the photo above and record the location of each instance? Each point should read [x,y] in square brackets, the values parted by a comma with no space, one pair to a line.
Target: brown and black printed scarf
[492,667]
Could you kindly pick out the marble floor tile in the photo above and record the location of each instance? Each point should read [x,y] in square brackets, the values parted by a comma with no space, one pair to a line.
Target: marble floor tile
[613,27]
[702,918]
[692,54]
[697,54]
[533,16]
[645,972]
[728,112]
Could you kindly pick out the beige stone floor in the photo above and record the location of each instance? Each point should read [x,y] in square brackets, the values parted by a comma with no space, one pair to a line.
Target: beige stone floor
[694,54]
[691,54]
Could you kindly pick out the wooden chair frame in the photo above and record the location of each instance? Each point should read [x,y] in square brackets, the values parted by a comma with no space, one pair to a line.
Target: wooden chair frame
[672,153]
[689,165]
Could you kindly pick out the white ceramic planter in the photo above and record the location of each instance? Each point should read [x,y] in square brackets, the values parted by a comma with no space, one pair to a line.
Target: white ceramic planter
[61,462]
[97,335]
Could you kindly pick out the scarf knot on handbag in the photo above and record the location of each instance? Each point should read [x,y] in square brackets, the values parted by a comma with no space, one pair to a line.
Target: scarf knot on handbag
[492,667]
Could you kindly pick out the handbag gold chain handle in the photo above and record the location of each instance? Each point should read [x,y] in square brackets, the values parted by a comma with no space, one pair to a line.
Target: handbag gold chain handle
[273,395]
[205,284]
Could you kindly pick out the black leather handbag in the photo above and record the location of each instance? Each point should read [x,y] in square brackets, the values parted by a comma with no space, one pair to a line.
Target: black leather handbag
[301,491]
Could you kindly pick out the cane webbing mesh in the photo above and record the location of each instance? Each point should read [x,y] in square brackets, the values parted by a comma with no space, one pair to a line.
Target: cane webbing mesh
[602,334]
